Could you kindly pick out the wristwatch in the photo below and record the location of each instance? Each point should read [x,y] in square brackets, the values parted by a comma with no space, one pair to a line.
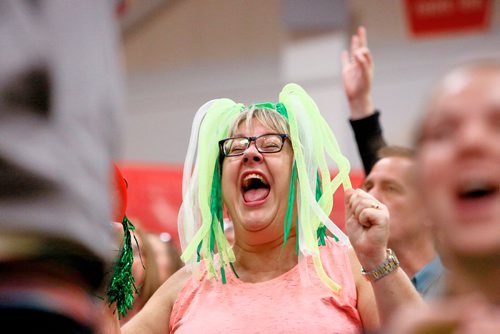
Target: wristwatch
[390,264]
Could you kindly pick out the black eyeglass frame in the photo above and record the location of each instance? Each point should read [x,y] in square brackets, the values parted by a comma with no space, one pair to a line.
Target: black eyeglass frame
[250,140]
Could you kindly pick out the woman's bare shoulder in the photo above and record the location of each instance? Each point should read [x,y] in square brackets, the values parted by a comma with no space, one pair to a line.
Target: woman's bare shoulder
[177,281]
[170,289]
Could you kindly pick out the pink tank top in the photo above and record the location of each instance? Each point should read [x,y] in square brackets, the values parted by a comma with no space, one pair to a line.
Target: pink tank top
[284,304]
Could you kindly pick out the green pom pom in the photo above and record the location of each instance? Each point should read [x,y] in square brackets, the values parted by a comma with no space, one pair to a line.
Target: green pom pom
[122,286]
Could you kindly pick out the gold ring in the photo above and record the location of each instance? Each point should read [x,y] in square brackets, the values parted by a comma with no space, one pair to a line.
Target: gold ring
[375,205]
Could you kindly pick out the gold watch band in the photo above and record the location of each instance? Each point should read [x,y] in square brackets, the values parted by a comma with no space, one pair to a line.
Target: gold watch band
[390,264]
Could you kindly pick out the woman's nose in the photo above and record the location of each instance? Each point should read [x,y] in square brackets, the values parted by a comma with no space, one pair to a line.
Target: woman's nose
[252,154]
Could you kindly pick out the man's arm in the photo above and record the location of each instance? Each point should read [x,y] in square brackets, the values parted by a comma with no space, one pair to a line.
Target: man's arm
[369,139]
[357,74]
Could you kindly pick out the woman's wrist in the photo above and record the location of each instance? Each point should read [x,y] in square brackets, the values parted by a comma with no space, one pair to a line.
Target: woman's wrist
[384,268]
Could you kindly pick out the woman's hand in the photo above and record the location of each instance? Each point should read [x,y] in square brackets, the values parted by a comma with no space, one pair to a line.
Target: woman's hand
[367,225]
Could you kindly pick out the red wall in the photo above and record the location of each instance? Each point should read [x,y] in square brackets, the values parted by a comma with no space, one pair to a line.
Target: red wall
[155,196]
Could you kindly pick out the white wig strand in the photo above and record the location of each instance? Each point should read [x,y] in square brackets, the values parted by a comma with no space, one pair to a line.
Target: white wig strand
[197,225]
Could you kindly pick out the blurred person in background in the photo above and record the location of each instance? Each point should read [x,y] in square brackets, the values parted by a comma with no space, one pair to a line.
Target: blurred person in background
[390,175]
[458,172]
[166,254]
[60,97]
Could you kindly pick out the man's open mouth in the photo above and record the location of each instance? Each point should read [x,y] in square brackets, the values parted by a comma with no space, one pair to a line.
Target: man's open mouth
[477,190]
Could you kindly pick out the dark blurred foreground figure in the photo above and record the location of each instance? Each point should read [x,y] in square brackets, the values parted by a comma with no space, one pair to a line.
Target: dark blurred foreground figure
[60,91]
[458,170]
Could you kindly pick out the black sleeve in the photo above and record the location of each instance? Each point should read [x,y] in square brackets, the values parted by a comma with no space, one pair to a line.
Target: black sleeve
[369,138]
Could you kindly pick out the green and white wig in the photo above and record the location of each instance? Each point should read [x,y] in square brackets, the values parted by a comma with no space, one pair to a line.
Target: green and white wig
[311,186]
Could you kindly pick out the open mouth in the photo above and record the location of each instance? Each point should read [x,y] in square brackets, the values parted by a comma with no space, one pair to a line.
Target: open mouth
[254,188]
[475,191]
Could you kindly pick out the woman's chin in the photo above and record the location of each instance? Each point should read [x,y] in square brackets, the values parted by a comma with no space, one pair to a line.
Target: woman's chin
[253,225]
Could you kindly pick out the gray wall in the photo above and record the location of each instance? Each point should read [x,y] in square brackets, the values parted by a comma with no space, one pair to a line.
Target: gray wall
[194,53]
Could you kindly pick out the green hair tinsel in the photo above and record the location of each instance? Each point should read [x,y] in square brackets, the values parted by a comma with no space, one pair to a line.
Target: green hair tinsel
[321,231]
[122,285]
[289,211]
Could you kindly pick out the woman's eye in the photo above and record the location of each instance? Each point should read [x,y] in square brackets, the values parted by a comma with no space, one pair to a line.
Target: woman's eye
[270,145]
[270,142]
[237,149]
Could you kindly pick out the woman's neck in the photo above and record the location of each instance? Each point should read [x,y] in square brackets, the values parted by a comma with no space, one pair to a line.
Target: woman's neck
[259,263]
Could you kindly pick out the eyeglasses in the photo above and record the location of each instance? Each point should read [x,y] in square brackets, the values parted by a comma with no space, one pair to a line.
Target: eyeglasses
[267,143]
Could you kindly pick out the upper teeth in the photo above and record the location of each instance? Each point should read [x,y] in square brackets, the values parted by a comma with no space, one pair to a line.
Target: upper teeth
[253,176]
